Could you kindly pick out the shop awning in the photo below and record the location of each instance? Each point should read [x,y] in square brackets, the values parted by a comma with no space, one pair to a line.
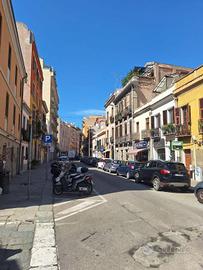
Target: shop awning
[135,151]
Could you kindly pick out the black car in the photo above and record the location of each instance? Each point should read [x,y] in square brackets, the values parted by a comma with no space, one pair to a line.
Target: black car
[128,170]
[163,174]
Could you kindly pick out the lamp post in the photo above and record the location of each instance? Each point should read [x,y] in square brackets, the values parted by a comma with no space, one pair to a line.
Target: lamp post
[89,141]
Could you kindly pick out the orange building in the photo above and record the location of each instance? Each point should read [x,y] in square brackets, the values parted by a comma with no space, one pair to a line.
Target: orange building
[33,86]
[12,75]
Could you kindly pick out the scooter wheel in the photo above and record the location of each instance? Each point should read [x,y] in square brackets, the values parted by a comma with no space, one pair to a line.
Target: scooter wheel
[57,190]
[90,188]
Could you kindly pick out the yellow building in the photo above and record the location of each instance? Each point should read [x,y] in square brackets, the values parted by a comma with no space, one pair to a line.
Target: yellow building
[189,120]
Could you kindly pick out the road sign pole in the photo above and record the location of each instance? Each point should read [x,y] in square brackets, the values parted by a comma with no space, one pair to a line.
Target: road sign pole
[46,177]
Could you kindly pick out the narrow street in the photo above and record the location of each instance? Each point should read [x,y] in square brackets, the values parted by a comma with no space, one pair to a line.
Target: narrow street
[128,226]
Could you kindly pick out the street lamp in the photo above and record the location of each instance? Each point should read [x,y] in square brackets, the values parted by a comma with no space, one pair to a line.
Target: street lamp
[89,141]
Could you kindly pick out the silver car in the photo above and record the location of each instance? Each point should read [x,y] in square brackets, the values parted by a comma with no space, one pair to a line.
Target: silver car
[199,192]
[112,166]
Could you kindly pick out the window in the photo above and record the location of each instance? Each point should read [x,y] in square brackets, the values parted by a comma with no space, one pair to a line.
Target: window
[9,57]
[14,115]
[126,131]
[121,134]
[201,108]
[147,123]
[152,164]
[26,153]
[185,115]
[16,76]
[137,126]
[157,121]
[33,89]
[130,127]
[33,65]
[152,122]
[171,116]
[7,105]
[24,122]
[165,117]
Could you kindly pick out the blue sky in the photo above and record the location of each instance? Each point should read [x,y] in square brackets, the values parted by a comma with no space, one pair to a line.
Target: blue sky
[92,44]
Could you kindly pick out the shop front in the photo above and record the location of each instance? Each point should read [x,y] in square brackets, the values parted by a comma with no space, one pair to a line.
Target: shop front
[139,152]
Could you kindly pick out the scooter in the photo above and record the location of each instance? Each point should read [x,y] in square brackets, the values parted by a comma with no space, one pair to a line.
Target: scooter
[76,182]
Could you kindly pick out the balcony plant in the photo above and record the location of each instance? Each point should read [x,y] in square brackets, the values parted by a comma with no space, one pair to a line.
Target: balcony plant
[168,129]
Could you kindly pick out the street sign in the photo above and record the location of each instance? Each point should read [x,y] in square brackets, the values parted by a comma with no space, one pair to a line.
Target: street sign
[47,139]
[177,145]
[141,145]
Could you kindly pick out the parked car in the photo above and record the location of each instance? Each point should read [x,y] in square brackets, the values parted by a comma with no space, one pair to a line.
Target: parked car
[112,166]
[128,170]
[102,162]
[163,174]
[198,191]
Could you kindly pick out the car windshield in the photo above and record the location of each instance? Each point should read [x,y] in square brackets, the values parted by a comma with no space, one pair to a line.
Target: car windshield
[176,166]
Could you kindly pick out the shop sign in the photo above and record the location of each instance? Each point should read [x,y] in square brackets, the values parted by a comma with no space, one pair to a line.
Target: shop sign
[177,145]
[141,145]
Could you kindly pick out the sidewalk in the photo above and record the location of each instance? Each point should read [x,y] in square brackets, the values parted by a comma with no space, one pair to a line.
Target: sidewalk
[27,238]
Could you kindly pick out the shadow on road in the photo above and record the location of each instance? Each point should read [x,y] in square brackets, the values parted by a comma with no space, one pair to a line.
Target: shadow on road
[6,260]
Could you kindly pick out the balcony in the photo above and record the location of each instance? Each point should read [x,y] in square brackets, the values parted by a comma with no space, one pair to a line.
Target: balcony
[155,133]
[128,138]
[136,136]
[183,130]
[36,129]
[200,124]
[118,117]
[145,133]
[126,112]
[169,129]
[111,119]
[111,139]
[123,139]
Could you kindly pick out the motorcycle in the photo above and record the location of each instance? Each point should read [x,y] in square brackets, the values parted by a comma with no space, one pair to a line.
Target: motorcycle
[73,182]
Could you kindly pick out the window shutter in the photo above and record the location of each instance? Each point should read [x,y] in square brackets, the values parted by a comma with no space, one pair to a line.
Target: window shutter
[152,122]
[188,115]
[177,116]
[201,108]
[165,117]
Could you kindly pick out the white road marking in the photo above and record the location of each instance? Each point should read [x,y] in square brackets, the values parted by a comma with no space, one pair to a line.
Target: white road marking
[83,206]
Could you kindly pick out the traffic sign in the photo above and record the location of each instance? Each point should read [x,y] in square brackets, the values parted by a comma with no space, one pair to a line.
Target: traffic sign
[47,139]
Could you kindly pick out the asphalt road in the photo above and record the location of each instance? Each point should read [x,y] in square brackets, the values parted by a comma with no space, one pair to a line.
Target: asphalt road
[128,226]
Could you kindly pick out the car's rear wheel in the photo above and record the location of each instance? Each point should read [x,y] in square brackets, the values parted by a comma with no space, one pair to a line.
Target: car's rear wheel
[199,195]
[156,184]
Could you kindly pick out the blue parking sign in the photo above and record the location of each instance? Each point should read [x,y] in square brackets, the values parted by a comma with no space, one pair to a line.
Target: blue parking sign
[47,139]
